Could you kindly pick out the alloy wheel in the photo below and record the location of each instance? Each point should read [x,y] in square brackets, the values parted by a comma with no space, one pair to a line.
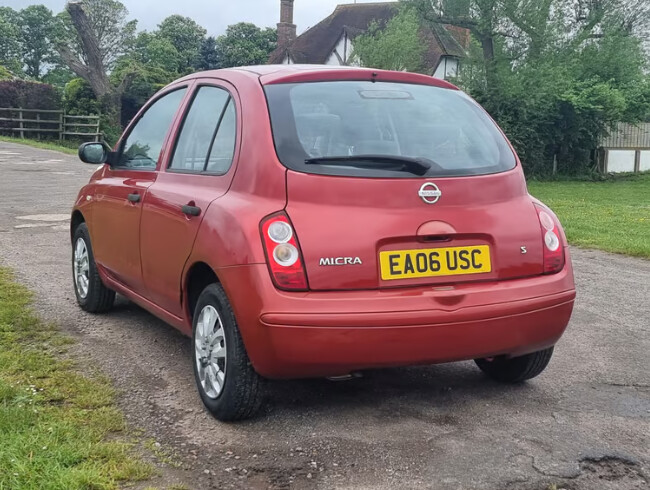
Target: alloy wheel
[210,351]
[81,268]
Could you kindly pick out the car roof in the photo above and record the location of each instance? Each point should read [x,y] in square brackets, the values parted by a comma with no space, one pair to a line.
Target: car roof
[275,74]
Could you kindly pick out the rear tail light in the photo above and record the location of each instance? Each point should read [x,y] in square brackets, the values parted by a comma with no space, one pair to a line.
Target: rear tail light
[552,238]
[283,253]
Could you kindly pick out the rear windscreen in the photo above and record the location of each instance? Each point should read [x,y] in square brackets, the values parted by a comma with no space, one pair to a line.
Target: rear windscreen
[315,121]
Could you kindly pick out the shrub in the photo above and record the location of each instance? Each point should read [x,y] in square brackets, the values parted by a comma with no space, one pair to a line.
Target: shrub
[29,95]
[5,74]
[79,99]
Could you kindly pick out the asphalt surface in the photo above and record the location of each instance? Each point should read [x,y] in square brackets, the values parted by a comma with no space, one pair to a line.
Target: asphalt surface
[583,424]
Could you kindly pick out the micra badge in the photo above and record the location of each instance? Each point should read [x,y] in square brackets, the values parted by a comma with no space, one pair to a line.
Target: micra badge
[340,261]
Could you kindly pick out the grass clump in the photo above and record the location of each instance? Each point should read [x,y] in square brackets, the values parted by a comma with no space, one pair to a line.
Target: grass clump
[54,422]
[69,147]
[611,215]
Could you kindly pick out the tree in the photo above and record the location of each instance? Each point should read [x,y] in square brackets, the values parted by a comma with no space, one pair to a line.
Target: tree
[245,44]
[209,54]
[97,33]
[555,74]
[484,18]
[107,20]
[398,46]
[152,63]
[156,51]
[186,36]
[10,56]
[37,29]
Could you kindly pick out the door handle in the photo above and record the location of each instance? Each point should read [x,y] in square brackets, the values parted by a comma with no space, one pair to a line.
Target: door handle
[134,197]
[191,210]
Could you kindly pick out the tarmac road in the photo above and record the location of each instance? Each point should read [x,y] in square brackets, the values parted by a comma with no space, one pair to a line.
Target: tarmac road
[583,424]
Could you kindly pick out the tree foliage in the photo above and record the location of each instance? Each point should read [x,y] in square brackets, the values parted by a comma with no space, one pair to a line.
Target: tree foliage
[397,46]
[28,95]
[187,37]
[37,31]
[244,44]
[10,49]
[108,23]
[555,74]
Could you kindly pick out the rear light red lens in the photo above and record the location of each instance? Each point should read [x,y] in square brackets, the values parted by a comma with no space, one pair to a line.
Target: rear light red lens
[283,254]
[552,238]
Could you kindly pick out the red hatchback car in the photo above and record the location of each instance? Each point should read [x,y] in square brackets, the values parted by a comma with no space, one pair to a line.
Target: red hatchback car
[302,221]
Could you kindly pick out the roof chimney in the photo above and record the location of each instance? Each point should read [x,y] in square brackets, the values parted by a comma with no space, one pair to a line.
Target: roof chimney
[286,27]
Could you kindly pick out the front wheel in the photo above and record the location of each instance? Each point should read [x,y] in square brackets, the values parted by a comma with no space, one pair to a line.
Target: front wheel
[92,295]
[229,386]
[516,369]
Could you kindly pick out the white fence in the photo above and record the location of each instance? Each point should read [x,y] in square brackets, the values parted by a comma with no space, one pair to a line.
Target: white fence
[626,149]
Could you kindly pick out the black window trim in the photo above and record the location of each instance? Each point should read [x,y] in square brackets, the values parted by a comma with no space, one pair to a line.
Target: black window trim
[134,123]
[230,99]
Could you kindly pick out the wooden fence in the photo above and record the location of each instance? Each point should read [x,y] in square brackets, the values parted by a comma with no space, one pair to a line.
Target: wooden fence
[37,123]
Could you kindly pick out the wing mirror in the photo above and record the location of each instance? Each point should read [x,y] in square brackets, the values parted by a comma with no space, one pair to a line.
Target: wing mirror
[96,153]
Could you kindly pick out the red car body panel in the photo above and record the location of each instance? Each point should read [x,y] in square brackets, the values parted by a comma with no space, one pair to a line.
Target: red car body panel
[349,319]
[492,209]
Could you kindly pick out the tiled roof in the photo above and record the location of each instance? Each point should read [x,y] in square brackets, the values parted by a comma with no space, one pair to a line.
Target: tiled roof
[315,45]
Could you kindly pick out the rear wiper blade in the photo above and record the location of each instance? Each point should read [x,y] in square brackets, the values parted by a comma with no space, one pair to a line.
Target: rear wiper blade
[415,166]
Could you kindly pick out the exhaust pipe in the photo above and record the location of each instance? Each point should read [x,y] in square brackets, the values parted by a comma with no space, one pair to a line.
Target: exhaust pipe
[345,377]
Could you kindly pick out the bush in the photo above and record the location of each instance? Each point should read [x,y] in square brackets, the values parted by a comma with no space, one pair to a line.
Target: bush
[5,74]
[29,95]
[79,99]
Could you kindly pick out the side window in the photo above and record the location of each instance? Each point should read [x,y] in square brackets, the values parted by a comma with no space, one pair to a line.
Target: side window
[223,148]
[208,120]
[143,145]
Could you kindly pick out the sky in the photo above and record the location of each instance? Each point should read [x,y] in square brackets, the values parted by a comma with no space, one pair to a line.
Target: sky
[214,15]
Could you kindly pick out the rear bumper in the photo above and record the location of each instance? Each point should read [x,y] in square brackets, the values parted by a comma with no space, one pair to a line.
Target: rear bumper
[292,335]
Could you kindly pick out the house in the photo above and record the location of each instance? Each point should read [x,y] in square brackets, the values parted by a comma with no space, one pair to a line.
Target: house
[331,41]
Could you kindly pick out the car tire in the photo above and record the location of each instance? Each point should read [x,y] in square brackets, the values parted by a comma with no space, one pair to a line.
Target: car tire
[92,295]
[229,386]
[516,369]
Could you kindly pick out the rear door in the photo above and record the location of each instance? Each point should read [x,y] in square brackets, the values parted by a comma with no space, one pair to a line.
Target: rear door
[119,195]
[396,184]
[199,170]
[478,230]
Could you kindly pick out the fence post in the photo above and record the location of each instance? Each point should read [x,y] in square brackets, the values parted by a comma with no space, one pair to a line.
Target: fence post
[20,118]
[97,128]
[637,161]
[38,125]
[61,124]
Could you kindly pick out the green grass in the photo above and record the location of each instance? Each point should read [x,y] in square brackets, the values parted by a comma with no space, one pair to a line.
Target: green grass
[611,215]
[58,429]
[68,147]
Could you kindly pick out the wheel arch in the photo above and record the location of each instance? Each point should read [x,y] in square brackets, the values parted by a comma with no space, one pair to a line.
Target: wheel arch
[198,276]
[76,219]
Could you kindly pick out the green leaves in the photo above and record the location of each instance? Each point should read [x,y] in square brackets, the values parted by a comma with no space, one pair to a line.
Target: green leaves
[398,46]
[558,78]
[186,36]
[243,44]
[37,29]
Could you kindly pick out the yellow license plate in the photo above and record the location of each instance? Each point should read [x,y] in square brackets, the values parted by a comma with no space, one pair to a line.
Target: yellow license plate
[434,262]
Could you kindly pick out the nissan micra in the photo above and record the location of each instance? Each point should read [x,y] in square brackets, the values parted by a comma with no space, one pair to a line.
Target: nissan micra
[302,221]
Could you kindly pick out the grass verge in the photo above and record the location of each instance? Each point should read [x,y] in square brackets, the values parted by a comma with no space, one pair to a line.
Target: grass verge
[69,147]
[611,215]
[57,427]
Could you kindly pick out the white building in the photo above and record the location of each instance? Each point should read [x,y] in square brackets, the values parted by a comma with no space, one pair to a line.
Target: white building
[331,41]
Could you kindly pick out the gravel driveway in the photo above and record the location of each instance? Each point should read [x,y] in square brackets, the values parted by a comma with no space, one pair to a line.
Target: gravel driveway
[583,424]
